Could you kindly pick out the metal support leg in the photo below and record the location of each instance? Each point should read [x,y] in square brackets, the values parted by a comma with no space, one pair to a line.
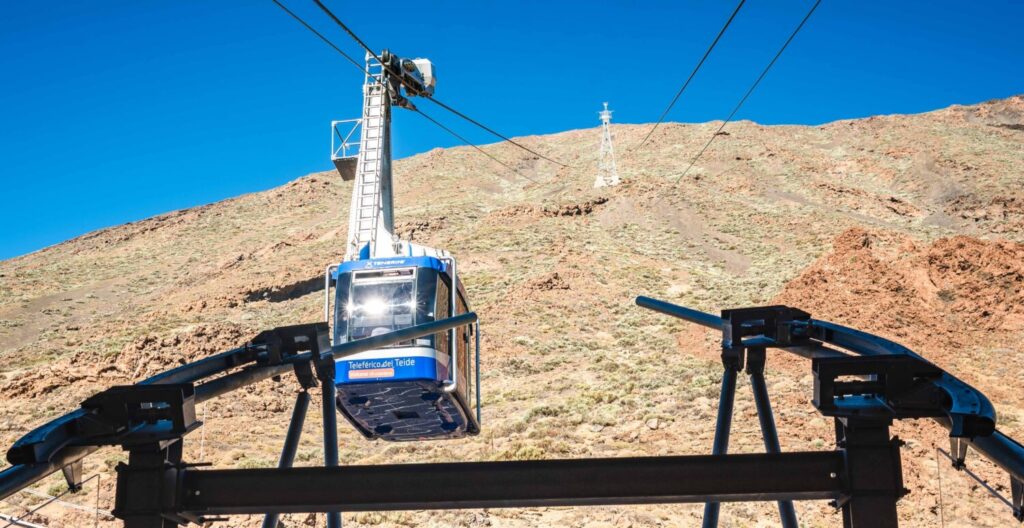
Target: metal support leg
[330,411]
[755,367]
[722,427]
[142,484]
[1017,498]
[873,473]
[291,445]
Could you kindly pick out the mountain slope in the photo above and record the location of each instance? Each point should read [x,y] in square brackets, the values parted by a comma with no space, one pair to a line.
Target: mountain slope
[571,367]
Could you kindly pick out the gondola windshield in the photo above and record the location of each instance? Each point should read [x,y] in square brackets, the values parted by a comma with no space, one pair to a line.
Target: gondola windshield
[380,307]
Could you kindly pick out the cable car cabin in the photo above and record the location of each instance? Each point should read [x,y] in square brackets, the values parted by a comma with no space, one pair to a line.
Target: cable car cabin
[412,390]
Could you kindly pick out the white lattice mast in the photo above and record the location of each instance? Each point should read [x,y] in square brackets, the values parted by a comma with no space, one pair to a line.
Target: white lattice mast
[607,174]
[371,214]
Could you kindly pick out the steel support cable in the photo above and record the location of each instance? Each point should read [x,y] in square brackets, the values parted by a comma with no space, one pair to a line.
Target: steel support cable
[988,487]
[751,90]
[354,62]
[355,37]
[22,523]
[494,132]
[51,500]
[364,70]
[467,142]
[693,73]
[430,98]
[938,474]
[69,504]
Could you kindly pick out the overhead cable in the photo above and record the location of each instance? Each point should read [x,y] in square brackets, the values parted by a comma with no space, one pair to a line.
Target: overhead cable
[363,69]
[431,98]
[751,90]
[467,142]
[354,62]
[693,73]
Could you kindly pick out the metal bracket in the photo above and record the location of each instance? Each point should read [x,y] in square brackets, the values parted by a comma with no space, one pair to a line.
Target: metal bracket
[774,323]
[325,370]
[733,358]
[73,476]
[283,342]
[770,326]
[958,452]
[756,360]
[894,386]
[138,414]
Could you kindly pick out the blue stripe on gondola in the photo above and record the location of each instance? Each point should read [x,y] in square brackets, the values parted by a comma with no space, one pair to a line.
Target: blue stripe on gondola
[390,262]
[389,369]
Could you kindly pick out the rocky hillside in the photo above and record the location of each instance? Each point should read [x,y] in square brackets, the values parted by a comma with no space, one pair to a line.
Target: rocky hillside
[910,226]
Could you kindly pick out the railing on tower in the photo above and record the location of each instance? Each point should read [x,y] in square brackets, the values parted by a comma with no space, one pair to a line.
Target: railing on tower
[345,146]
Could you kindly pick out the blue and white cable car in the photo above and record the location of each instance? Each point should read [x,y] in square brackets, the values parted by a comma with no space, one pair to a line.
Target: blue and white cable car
[420,389]
[423,388]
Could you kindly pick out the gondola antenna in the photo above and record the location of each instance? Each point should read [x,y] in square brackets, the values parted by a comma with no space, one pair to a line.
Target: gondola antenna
[607,174]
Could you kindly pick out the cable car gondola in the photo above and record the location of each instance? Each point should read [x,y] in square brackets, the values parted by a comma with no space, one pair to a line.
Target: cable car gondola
[421,389]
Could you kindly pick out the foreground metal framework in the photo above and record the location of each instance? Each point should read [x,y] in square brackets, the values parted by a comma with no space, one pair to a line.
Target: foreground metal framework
[862,381]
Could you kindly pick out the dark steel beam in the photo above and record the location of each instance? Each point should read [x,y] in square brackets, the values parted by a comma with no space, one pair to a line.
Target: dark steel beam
[291,444]
[202,368]
[726,478]
[330,412]
[681,312]
[236,380]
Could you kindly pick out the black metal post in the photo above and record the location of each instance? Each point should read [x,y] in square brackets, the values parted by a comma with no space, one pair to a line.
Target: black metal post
[1017,498]
[722,427]
[873,474]
[144,484]
[755,368]
[291,444]
[330,411]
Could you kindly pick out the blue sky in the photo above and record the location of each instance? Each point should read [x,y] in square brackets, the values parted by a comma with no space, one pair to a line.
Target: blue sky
[115,111]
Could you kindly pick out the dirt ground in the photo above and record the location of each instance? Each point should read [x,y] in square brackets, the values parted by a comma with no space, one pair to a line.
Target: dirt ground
[909,226]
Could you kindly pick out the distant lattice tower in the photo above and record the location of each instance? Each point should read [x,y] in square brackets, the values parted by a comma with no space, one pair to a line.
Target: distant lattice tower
[607,174]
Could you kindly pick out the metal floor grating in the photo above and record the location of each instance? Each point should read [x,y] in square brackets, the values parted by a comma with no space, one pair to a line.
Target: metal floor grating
[401,411]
